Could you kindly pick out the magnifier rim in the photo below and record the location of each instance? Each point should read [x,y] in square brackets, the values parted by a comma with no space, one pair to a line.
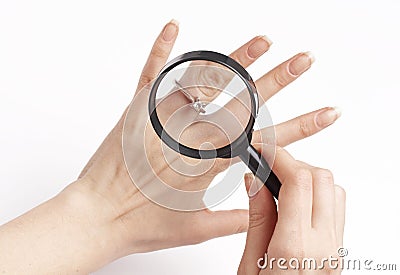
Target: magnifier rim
[231,150]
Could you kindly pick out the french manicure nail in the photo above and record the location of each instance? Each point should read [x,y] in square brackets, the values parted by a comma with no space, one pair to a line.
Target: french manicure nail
[170,30]
[254,188]
[327,117]
[248,180]
[259,46]
[301,63]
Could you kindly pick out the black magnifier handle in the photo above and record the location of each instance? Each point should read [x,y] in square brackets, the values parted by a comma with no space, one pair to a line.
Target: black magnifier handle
[261,169]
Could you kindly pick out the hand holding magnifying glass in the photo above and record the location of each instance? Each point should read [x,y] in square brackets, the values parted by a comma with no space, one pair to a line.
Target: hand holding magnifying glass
[228,116]
[208,115]
[111,177]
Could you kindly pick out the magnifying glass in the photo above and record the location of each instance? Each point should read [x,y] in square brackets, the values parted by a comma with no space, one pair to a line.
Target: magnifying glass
[203,105]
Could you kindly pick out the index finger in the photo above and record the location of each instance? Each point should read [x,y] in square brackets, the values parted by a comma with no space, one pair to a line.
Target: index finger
[159,53]
[296,196]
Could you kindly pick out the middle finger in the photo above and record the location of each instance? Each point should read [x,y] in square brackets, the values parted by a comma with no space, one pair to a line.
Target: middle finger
[273,81]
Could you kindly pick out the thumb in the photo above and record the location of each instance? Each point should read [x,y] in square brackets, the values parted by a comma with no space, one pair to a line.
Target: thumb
[262,219]
[222,223]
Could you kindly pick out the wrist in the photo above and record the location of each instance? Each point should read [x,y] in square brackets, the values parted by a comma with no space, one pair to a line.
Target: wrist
[97,221]
[70,233]
[105,206]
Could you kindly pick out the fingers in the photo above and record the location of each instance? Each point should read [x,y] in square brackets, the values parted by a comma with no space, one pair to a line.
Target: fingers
[159,53]
[310,217]
[262,220]
[295,129]
[249,52]
[298,128]
[282,75]
[205,79]
[340,209]
[323,209]
[308,195]
[273,81]
[212,78]
[296,194]
[311,210]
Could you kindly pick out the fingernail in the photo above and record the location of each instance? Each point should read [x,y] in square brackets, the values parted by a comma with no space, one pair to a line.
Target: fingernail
[170,30]
[252,185]
[259,46]
[327,117]
[248,178]
[301,63]
[254,188]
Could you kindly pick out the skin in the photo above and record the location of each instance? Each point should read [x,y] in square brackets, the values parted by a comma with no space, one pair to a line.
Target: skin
[309,224]
[102,216]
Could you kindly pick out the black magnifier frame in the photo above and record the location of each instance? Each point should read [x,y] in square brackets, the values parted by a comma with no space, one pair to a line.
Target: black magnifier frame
[239,147]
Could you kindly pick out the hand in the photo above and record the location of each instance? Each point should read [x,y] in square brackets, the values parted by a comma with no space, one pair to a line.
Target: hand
[145,226]
[103,216]
[309,224]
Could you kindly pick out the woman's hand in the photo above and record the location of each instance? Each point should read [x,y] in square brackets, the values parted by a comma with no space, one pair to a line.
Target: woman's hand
[309,224]
[146,226]
[103,216]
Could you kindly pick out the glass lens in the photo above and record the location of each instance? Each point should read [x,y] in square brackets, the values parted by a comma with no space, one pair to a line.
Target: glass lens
[203,105]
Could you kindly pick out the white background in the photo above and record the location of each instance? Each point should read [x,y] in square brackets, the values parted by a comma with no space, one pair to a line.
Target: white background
[69,68]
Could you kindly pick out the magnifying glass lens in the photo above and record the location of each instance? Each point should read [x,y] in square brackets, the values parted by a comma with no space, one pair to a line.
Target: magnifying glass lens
[203,105]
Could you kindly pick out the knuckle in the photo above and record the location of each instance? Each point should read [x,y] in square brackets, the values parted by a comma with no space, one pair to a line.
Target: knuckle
[213,77]
[241,228]
[302,178]
[323,175]
[304,128]
[256,218]
[265,136]
[158,52]
[145,79]
[279,80]
[286,250]
[296,251]
[302,175]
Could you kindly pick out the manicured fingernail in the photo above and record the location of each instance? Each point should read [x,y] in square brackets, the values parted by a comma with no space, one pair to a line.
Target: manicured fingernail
[254,188]
[301,63]
[249,182]
[328,116]
[259,46]
[252,185]
[170,30]
[248,178]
